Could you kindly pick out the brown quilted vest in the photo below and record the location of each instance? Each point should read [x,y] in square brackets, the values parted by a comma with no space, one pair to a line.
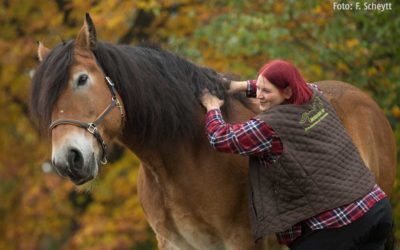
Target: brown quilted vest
[319,169]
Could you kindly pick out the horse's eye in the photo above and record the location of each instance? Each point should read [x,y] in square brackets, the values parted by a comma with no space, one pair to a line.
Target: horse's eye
[82,80]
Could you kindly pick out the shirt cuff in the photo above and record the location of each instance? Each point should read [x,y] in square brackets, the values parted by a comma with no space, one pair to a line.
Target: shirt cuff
[212,116]
[251,90]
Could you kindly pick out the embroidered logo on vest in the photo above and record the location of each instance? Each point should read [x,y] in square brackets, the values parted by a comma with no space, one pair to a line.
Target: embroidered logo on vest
[312,117]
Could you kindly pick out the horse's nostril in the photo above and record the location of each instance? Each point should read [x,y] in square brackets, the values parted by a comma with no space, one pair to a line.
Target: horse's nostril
[75,159]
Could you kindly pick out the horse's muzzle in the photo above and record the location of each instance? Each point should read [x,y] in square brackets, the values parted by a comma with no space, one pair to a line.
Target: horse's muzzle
[76,168]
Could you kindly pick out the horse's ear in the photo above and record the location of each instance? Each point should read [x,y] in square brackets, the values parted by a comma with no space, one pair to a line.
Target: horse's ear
[43,51]
[86,38]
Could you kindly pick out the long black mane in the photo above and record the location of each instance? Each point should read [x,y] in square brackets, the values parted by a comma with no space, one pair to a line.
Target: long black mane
[159,89]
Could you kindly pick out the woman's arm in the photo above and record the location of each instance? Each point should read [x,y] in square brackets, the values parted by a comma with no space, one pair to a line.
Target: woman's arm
[249,87]
[250,138]
[237,86]
[253,137]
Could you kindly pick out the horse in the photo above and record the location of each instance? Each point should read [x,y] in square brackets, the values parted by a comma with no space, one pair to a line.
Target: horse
[90,93]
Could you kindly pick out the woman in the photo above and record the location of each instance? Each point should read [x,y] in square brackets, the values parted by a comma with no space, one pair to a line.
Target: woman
[308,183]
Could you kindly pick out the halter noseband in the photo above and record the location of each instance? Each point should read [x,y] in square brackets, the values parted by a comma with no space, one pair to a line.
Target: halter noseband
[91,127]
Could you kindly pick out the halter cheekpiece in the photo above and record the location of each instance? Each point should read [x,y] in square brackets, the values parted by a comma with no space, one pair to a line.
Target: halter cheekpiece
[91,127]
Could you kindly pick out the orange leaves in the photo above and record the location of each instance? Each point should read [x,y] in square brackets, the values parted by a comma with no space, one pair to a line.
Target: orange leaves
[316,71]
[228,36]
[351,43]
[147,5]
[371,71]
[39,212]
[396,111]
[343,67]
[278,7]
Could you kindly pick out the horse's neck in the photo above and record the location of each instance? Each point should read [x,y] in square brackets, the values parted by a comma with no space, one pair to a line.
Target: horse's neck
[168,161]
[164,151]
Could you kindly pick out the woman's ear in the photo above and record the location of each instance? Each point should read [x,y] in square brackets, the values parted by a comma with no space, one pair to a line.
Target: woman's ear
[287,92]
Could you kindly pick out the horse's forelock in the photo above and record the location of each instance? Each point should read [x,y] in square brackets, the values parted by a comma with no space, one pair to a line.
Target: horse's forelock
[49,80]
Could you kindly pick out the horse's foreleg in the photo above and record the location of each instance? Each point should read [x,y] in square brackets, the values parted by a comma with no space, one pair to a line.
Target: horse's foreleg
[156,213]
[163,244]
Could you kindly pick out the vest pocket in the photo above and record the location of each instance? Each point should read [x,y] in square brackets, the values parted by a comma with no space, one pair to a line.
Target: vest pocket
[286,183]
[253,205]
[255,194]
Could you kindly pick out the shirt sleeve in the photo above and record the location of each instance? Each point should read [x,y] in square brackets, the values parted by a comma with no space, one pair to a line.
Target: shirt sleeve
[251,90]
[252,138]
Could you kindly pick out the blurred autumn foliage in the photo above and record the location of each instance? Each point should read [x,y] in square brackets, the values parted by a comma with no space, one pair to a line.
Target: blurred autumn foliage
[39,210]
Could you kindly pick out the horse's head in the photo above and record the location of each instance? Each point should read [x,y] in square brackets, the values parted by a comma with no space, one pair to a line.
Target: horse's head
[85,111]
[159,90]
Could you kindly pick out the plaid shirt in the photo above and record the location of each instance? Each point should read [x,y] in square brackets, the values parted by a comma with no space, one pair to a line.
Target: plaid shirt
[256,138]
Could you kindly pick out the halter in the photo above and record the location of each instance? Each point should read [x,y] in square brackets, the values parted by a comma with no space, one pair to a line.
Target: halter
[91,127]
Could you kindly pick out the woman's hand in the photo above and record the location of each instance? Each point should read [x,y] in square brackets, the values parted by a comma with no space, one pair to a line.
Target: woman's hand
[210,101]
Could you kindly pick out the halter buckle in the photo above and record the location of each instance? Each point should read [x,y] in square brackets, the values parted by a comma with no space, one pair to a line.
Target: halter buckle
[118,104]
[91,128]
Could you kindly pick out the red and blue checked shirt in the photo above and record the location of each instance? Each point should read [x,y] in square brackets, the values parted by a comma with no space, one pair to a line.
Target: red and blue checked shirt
[257,138]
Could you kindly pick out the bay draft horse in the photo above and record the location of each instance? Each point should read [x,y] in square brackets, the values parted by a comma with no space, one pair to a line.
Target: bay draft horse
[193,196]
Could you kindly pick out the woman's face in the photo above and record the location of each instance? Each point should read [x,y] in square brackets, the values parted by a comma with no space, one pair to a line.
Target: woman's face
[269,95]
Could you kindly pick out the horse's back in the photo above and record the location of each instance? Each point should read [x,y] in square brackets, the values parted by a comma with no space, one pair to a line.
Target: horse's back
[368,127]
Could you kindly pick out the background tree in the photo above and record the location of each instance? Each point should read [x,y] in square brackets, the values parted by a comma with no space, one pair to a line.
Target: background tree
[39,210]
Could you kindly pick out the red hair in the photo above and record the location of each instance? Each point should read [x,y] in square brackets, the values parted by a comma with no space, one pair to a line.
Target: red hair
[283,74]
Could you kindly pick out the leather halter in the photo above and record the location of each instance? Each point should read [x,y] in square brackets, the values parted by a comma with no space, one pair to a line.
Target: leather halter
[91,127]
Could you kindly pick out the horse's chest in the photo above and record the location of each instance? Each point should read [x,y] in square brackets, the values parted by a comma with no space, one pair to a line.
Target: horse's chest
[176,223]
[183,229]
[195,231]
